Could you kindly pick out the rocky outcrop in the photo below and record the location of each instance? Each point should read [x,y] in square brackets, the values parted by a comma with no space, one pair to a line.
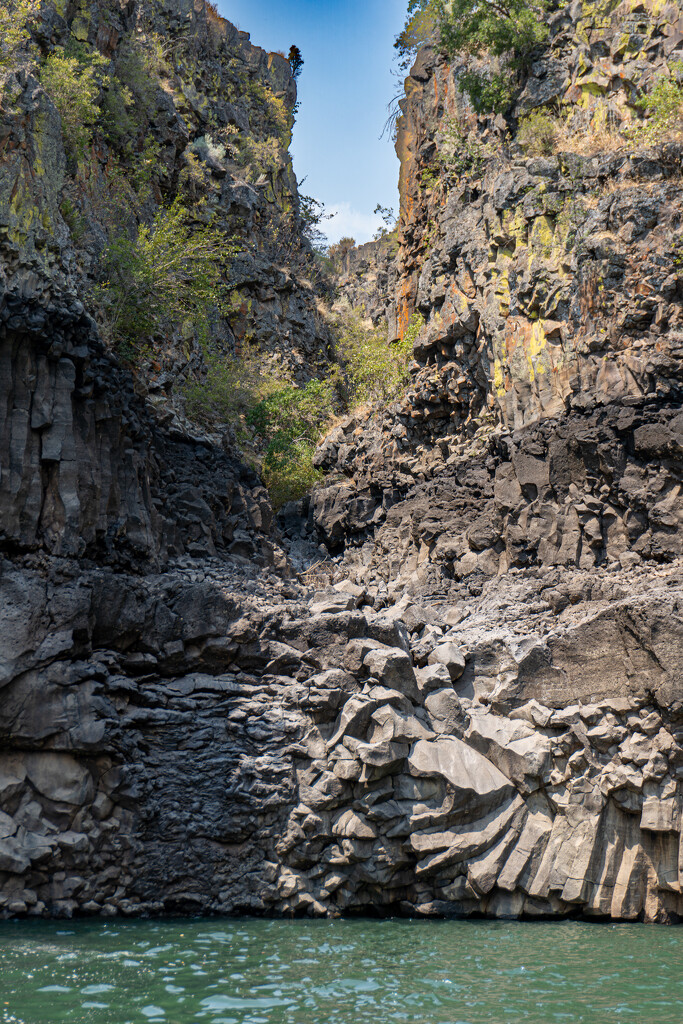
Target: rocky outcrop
[538,447]
[190,110]
[367,279]
[88,470]
[549,295]
[588,490]
[482,711]
[214,740]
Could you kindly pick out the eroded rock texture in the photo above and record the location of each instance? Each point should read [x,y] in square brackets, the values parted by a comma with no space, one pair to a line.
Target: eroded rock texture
[483,711]
[205,740]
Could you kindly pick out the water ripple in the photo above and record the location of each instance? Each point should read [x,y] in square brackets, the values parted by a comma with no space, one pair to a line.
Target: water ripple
[339,972]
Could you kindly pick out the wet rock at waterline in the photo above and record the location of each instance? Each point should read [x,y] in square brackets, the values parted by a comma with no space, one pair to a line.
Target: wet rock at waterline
[218,748]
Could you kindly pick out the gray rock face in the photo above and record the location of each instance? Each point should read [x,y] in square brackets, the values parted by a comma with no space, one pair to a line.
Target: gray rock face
[484,715]
[205,744]
[86,468]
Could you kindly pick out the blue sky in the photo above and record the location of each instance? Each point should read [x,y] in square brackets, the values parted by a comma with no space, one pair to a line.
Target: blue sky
[344,88]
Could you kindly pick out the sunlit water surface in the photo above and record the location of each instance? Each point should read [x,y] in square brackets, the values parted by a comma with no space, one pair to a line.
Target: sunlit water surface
[339,972]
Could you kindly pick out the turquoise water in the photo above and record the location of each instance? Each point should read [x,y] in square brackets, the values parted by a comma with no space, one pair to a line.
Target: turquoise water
[339,972]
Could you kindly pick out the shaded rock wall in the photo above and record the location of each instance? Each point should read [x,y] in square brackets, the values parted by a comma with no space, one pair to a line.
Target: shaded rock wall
[215,113]
[89,471]
[484,713]
[212,740]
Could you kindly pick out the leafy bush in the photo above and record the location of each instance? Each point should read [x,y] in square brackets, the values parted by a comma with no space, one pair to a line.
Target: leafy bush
[338,251]
[460,149]
[539,133]
[260,156]
[232,387]
[74,220]
[15,19]
[420,28]
[491,26]
[311,216]
[489,91]
[388,227]
[505,31]
[274,110]
[429,178]
[145,167]
[74,88]
[169,275]
[292,421]
[373,369]
[117,114]
[415,325]
[664,107]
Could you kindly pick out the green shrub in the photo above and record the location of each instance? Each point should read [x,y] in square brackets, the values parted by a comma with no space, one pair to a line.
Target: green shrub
[230,390]
[15,19]
[489,91]
[117,121]
[460,149]
[664,107]
[338,251]
[74,220]
[137,68]
[260,156]
[373,370]
[274,112]
[491,27]
[420,28]
[429,178]
[145,167]
[539,133]
[415,325]
[506,33]
[74,89]
[288,470]
[167,277]
[292,421]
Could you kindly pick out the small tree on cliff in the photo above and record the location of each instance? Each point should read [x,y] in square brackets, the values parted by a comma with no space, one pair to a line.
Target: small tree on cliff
[296,60]
[389,218]
[15,19]
[496,27]
[339,250]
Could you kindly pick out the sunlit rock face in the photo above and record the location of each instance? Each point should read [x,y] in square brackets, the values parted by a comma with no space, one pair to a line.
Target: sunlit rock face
[214,739]
[474,704]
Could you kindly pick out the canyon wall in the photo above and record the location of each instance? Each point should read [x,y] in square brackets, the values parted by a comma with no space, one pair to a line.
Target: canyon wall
[472,703]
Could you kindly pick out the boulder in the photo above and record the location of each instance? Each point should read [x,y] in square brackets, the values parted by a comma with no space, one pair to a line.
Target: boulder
[60,777]
[449,655]
[477,783]
[521,752]
[432,677]
[394,669]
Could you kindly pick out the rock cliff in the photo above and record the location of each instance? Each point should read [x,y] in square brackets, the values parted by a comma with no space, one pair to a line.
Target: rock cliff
[474,705]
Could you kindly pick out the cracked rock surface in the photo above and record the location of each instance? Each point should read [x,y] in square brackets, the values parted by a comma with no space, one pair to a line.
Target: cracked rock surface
[474,705]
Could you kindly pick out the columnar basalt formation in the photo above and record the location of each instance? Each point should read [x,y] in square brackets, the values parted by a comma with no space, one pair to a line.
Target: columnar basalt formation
[477,707]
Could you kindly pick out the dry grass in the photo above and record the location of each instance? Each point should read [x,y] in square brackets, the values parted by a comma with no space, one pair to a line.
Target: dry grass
[593,142]
[321,574]
[212,12]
